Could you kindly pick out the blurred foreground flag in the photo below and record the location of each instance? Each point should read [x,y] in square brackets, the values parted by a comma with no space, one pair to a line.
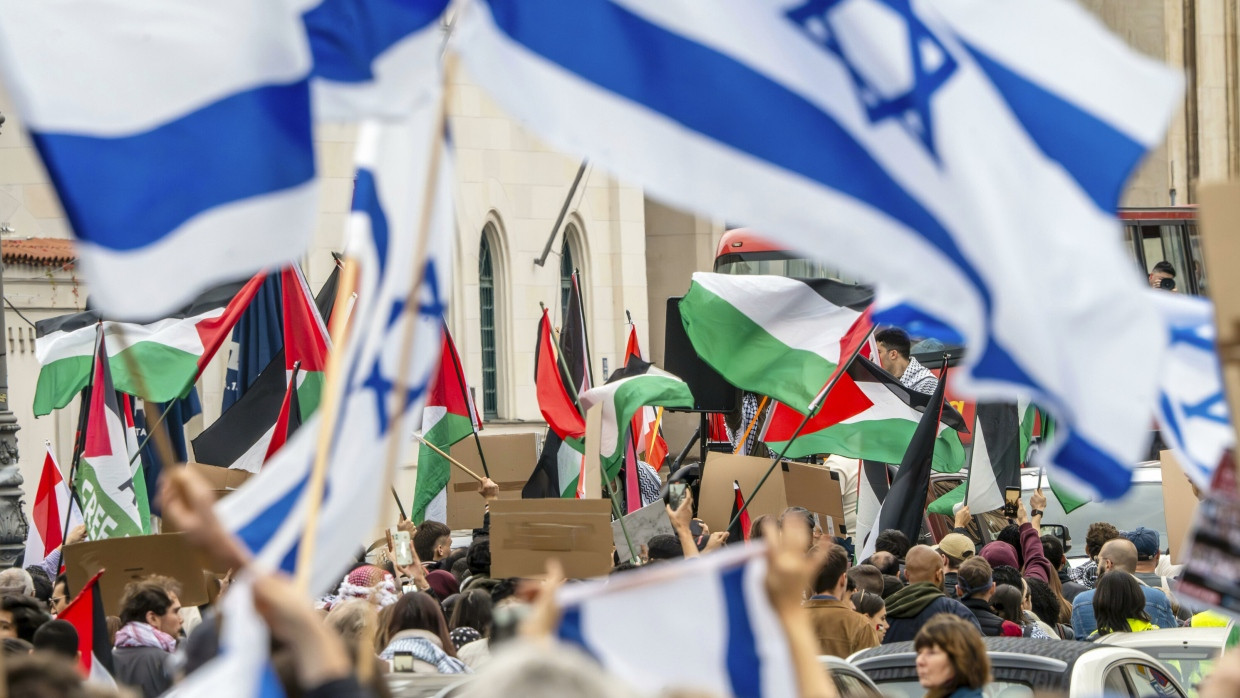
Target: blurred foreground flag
[178,140]
[714,609]
[1192,408]
[968,154]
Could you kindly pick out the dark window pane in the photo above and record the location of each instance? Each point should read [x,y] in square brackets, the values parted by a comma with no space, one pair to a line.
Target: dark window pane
[486,299]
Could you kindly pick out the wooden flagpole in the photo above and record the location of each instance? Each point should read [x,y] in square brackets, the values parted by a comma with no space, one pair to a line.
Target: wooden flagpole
[449,458]
[745,439]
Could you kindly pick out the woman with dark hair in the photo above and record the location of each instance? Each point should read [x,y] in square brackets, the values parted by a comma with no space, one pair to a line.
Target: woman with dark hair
[1119,605]
[873,607]
[1045,605]
[951,658]
[471,627]
[416,629]
[1008,603]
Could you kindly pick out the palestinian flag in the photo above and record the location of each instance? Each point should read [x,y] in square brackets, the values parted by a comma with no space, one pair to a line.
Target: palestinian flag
[556,397]
[85,613]
[557,471]
[904,506]
[574,343]
[104,481]
[171,353]
[740,530]
[867,415]
[772,335]
[636,385]
[305,339]
[449,416]
[993,465]
[241,436]
[47,516]
[289,419]
[645,425]
[135,462]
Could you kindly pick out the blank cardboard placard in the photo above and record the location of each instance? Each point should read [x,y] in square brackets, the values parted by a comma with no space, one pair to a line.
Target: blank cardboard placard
[817,488]
[525,533]
[1220,241]
[1179,504]
[130,559]
[717,497]
[642,525]
[592,488]
[510,458]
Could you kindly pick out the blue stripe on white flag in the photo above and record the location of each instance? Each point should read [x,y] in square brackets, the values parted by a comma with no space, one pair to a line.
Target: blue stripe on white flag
[1098,156]
[366,200]
[129,192]
[346,36]
[743,663]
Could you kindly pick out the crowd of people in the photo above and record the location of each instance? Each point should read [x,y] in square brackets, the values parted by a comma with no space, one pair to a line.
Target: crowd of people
[446,614]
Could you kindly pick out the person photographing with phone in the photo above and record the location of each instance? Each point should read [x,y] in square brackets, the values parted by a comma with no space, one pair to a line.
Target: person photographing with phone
[999,553]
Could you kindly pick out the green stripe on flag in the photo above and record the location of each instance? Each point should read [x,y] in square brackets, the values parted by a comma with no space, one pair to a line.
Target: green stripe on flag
[944,505]
[882,440]
[104,516]
[310,392]
[166,374]
[434,471]
[747,355]
[60,382]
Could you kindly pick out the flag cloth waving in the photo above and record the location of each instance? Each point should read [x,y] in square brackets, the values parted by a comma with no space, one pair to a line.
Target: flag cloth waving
[170,353]
[973,166]
[867,415]
[769,334]
[47,516]
[449,416]
[645,424]
[85,613]
[557,394]
[103,480]
[629,389]
[305,339]
[994,464]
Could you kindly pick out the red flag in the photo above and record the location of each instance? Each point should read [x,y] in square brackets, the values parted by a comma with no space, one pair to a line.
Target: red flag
[645,423]
[85,613]
[305,337]
[554,396]
[47,516]
[215,331]
[289,419]
[448,389]
[741,530]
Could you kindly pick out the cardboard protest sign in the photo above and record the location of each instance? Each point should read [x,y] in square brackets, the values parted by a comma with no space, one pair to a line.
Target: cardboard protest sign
[817,488]
[131,559]
[525,533]
[1220,242]
[510,458]
[716,494]
[642,525]
[1178,494]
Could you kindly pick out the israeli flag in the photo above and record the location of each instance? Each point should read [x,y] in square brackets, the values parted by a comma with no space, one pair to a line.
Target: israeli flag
[404,280]
[373,58]
[1192,407]
[968,154]
[713,609]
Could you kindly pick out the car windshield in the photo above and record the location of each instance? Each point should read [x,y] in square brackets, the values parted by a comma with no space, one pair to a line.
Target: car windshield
[1188,665]
[1142,506]
[910,688]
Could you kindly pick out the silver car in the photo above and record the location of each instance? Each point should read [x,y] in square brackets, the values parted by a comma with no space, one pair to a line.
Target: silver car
[1021,667]
[850,682]
[1188,653]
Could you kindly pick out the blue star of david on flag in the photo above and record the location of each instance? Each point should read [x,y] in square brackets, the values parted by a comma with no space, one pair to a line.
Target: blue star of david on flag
[931,65]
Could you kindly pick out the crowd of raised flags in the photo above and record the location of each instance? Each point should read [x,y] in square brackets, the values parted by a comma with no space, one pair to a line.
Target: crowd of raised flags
[979,172]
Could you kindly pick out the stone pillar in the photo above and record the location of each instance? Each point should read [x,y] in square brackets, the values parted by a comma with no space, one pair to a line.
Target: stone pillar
[13,523]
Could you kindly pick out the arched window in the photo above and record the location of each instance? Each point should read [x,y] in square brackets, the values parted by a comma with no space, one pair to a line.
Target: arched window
[566,274]
[486,302]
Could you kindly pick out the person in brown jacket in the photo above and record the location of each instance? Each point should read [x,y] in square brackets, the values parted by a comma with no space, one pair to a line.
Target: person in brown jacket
[841,630]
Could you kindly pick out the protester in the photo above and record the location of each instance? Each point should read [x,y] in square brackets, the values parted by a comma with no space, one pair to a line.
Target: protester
[894,542]
[841,630]
[1052,548]
[60,595]
[1145,540]
[16,582]
[147,638]
[470,626]
[1119,556]
[417,627]
[441,584]
[1119,606]
[1098,534]
[911,607]
[1007,602]
[42,584]
[20,617]
[871,606]
[1027,556]
[886,562]
[58,637]
[867,578]
[356,621]
[954,549]
[1046,606]
[976,587]
[891,585]
[42,675]
[366,582]
[951,659]
[479,561]
[894,348]
[432,542]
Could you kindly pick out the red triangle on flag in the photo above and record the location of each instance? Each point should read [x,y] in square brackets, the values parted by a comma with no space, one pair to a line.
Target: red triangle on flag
[305,337]
[554,397]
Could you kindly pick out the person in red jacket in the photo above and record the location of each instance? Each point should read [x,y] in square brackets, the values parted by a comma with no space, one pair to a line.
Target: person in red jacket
[1035,565]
